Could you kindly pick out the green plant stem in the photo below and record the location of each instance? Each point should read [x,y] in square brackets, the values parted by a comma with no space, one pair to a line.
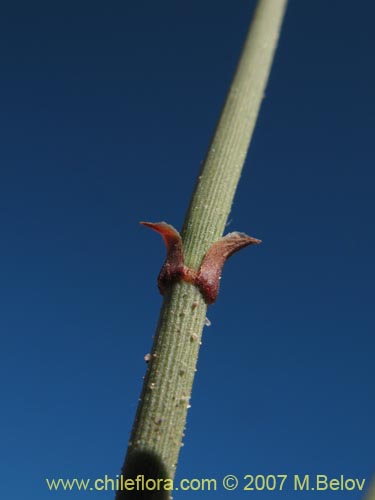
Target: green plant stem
[215,189]
[160,421]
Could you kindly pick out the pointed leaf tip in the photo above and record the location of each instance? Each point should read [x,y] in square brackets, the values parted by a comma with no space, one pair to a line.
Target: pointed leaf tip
[169,234]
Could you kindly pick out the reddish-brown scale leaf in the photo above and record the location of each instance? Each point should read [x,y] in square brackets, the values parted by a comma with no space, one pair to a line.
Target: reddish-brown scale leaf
[173,268]
[208,279]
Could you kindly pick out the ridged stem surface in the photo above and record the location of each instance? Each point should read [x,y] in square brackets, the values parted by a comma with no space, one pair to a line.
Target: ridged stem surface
[161,416]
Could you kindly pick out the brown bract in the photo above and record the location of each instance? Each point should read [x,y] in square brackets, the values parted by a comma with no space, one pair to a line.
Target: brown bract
[207,277]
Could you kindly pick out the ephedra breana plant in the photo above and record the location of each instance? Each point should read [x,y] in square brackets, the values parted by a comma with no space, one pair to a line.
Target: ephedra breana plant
[189,278]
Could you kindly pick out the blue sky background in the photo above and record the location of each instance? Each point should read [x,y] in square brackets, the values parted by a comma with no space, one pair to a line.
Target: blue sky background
[107,109]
